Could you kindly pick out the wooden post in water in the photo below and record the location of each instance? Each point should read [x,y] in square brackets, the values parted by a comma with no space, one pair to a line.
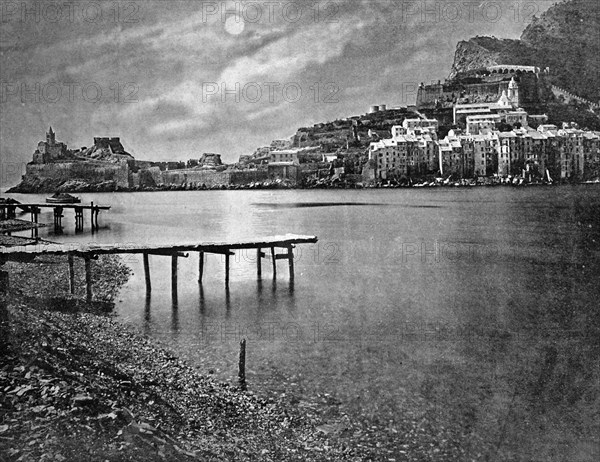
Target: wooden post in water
[200,266]
[58,219]
[290,250]
[259,256]
[147,273]
[36,211]
[71,274]
[92,216]
[174,274]
[88,278]
[227,269]
[274,260]
[242,365]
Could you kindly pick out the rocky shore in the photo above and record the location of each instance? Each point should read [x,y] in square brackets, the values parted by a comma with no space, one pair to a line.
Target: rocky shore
[77,385]
[38,186]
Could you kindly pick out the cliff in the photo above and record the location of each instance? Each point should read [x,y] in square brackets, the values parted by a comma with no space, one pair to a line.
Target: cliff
[566,38]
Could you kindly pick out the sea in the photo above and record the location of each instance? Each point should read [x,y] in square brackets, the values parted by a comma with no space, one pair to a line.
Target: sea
[476,309]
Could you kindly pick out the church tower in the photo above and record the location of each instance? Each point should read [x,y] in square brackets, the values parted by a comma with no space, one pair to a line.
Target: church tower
[51,137]
[513,92]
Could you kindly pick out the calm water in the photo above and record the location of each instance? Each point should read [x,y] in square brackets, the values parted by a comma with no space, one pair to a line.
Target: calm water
[477,308]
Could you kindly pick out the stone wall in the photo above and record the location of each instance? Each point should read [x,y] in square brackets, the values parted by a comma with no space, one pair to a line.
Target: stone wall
[248,176]
[91,172]
[194,178]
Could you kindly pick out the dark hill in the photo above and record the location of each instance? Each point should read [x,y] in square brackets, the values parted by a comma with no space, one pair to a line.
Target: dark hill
[566,38]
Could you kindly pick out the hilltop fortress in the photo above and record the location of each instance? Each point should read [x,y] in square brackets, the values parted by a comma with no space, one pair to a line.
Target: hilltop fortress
[106,166]
[486,85]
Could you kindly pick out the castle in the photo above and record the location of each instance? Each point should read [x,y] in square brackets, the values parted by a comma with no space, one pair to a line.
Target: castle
[486,86]
[113,145]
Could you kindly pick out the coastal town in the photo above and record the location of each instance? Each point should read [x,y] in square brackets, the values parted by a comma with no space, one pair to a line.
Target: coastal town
[479,127]
[409,274]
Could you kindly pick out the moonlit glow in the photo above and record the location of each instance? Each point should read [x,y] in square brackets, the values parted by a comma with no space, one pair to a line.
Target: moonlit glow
[234,25]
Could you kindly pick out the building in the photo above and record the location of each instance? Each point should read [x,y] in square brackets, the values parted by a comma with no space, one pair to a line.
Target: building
[113,145]
[484,85]
[390,157]
[210,160]
[507,106]
[408,124]
[479,122]
[49,150]
[286,156]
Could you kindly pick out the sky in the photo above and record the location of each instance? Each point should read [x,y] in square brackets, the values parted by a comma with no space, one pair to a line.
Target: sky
[175,79]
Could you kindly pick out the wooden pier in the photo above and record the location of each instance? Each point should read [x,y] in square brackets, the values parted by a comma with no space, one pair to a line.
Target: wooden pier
[88,252]
[8,210]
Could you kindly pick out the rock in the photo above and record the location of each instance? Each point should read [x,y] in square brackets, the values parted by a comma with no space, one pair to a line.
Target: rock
[83,400]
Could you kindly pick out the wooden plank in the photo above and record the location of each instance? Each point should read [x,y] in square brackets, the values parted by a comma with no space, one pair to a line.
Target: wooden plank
[168,253]
[47,205]
[220,248]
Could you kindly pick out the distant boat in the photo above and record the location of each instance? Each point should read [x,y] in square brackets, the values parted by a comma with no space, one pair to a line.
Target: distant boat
[62,198]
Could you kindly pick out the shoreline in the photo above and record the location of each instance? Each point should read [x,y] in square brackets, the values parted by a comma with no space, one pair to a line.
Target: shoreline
[284,185]
[83,385]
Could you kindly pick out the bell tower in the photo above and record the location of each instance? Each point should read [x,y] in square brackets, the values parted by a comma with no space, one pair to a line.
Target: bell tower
[513,92]
[51,137]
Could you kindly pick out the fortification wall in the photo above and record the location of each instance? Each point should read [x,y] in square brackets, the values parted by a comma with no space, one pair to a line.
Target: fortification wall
[195,178]
[248,176]
[87,171]
[529,93]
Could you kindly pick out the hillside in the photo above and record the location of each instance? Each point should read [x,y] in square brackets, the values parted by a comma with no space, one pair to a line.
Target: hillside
[566,38]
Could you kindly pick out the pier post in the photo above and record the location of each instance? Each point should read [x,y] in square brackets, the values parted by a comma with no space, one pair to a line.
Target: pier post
[290,250]
[147,273]
[274,260]
[200,266]
[78,219]
[88,278]
[174,274]
[36,211]
[71,274]
[58,219]
[242,365]
[259,256]
[92,215]
[227,269]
